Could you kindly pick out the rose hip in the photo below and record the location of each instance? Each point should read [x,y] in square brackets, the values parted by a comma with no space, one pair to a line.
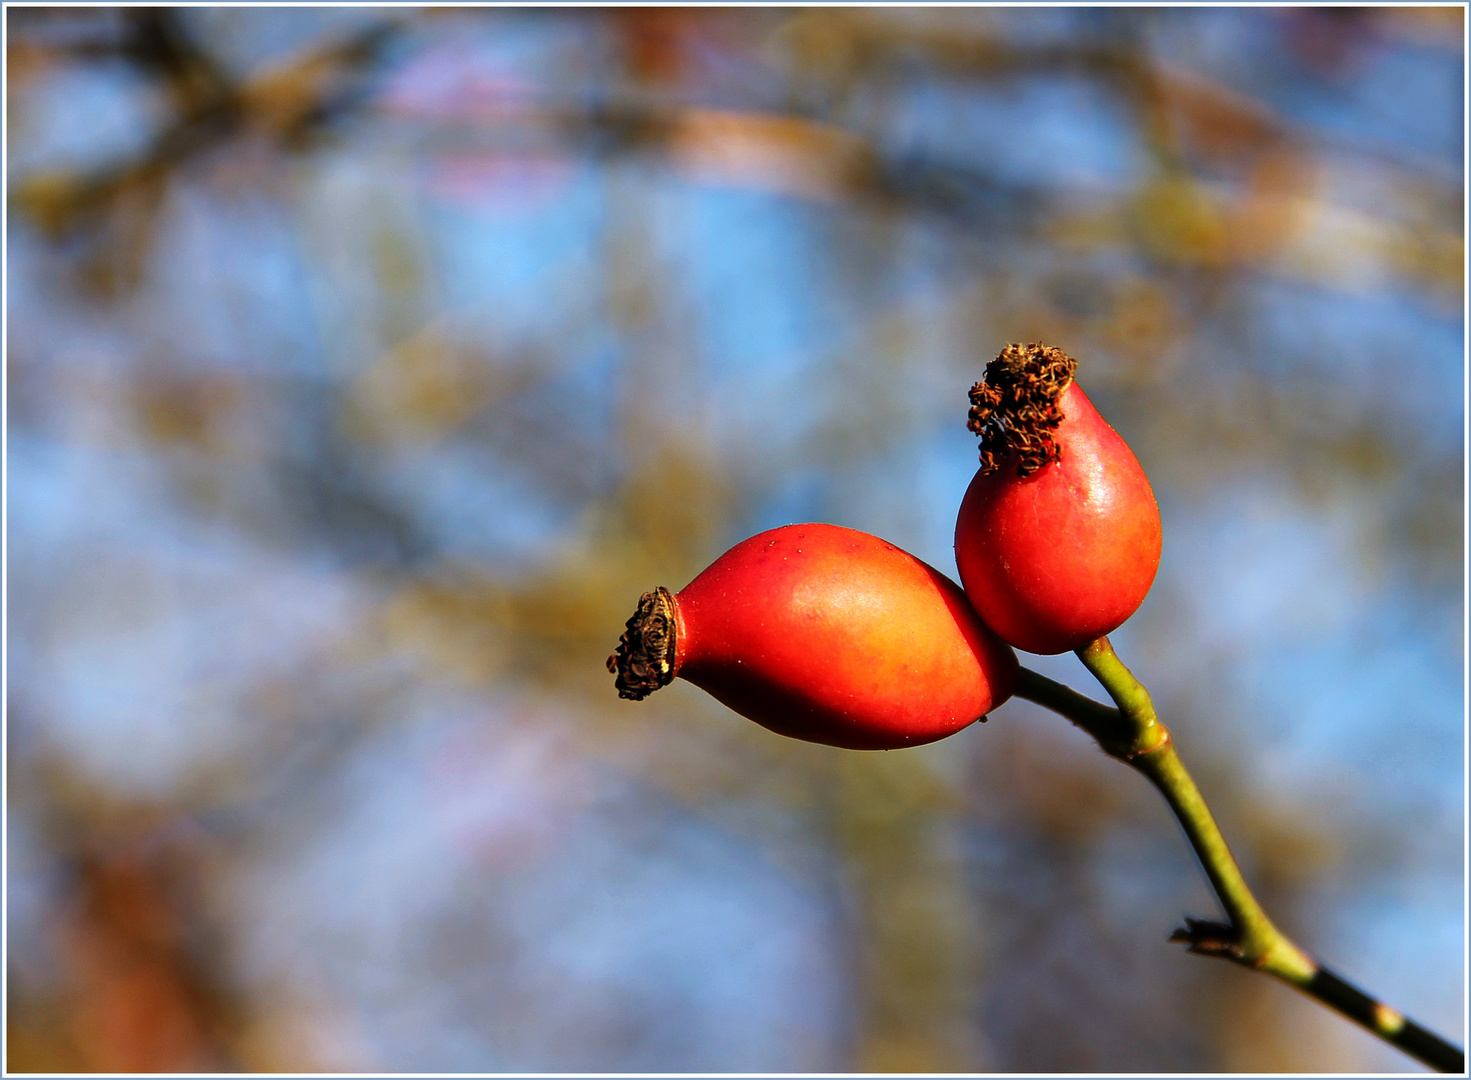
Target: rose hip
[1058,537]
[825,634]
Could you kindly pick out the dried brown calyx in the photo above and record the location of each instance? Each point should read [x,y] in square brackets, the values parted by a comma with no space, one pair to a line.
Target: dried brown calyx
[1014,408]
[644,660]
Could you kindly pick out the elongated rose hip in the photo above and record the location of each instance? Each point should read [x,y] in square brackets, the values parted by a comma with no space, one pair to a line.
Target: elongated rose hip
[1058,537]
[825,634]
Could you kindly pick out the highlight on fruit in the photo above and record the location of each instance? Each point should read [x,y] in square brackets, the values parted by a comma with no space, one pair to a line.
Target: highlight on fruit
[1058,538]
[825,634]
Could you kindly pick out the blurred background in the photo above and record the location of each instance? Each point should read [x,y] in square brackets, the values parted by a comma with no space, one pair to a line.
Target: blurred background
[365,365]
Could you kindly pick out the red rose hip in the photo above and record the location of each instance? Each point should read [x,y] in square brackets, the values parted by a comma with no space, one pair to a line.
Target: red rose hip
[1058,537]
[825,634]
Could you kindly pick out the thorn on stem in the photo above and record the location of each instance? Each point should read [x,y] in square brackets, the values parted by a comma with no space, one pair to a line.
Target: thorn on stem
[1206,938]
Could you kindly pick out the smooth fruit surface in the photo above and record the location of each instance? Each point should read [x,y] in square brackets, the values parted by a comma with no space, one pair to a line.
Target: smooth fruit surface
[835,636]
[1055,559]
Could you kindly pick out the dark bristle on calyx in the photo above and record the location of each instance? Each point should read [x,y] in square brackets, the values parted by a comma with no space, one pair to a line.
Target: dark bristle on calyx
[1014,408]
[644,660]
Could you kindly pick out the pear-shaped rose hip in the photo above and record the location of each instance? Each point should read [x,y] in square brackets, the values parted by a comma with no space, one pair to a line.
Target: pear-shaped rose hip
[825,634]
[1058,537]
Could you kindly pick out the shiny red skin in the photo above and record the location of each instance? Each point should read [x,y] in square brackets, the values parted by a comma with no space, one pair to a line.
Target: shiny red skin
[1054,560]
[834,636]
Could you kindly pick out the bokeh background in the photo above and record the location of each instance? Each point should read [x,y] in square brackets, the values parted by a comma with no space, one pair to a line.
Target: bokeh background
[366,364]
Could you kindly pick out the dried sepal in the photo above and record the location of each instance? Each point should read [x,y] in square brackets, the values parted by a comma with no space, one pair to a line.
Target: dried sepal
[644,660]
[1014,408]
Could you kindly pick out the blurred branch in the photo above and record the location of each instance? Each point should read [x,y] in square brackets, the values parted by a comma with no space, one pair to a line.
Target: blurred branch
[1269,218]
[287,104]
[1184,113]
[1133,733]
[1267,215]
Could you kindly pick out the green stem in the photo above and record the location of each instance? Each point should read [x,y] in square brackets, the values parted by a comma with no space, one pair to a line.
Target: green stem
[1132,732]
